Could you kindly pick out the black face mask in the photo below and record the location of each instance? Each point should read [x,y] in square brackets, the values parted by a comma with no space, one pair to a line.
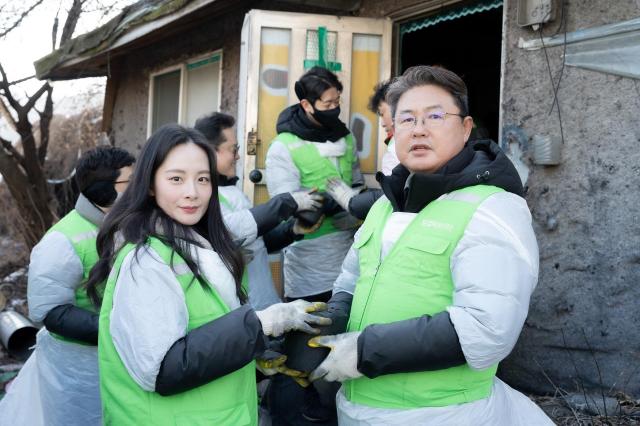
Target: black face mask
[329,118]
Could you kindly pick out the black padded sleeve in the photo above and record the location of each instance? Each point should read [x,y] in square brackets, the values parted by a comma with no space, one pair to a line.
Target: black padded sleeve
[273,212]
[418,344]
[73,322]
[210,351]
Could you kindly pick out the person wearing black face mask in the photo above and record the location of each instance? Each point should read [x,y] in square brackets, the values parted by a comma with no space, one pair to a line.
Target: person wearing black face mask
[312,146]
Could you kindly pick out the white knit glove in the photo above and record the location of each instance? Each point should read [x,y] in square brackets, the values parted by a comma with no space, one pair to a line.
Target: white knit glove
[342,362]
[341,192]
[282,317]
[307,199]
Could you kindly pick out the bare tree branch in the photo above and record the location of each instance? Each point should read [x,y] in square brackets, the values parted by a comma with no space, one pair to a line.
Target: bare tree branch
[4,112]
[54,32]
[20,18]
[34,98]
[4,86]
[45,121]
[71,21]
[13,151]
[21,80]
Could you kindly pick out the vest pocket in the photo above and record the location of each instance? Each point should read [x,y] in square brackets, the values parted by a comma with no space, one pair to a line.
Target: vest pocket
[427,265]
[363,238]
[431,245]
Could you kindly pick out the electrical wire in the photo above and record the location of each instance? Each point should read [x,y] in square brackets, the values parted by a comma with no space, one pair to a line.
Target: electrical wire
[555,87]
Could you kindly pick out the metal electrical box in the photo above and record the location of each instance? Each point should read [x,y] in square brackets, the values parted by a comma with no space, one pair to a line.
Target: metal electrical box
[535,12]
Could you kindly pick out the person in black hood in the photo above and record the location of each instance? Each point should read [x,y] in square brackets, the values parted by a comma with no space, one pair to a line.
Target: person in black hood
[436,286]
[312,145]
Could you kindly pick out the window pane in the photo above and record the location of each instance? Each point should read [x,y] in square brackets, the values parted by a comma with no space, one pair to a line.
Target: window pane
[273,94]
[365,74]
[203,88]
[166,98]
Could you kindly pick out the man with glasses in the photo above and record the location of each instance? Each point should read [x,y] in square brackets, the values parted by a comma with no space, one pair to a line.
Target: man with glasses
[441,274]
[261,229]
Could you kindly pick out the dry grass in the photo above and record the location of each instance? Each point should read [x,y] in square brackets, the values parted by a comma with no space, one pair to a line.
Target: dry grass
[628,412]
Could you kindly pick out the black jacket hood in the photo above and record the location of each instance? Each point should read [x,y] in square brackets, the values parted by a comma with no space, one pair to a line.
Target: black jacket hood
[294,120]
[480,162]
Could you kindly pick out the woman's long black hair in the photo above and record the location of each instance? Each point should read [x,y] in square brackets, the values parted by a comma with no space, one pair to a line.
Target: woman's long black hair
[136,216]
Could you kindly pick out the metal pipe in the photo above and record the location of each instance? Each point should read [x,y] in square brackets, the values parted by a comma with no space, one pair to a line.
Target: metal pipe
[17,334]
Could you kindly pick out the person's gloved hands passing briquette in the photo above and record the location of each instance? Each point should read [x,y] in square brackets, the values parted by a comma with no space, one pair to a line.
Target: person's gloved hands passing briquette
[307,199]
[342,362]
[272,362]
[341,192]
[282,317]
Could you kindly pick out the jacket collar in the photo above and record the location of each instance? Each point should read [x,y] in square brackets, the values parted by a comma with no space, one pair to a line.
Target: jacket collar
[294,120]
[227,181]
[479,162]
[89,211]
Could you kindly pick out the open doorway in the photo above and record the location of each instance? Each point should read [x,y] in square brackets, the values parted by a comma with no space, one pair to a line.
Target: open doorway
[467,42]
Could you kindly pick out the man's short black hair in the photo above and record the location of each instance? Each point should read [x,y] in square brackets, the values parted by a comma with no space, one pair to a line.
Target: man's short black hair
[315,82]
[423,75]
[97,171]
[212,125]
[379,95]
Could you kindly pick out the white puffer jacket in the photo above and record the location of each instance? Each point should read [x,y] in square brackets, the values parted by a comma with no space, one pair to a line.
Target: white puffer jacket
[494,269]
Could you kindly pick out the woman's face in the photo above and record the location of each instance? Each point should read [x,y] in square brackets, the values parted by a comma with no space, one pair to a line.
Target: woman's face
[227,154]
[182,184]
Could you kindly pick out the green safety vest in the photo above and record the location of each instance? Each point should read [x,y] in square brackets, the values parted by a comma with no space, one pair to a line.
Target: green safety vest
[223,200]
[229,400]
[414,279]
[82,234]
[315,169]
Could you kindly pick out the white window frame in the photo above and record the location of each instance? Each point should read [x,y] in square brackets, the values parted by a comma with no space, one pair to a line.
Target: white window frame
[184,77]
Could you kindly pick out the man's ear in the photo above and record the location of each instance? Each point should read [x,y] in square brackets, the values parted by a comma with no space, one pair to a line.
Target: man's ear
[467,123]
[306,105]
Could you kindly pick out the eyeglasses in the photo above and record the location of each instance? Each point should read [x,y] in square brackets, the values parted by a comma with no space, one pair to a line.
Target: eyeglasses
[121,181]
[233,149]
[430,120]
[330,103]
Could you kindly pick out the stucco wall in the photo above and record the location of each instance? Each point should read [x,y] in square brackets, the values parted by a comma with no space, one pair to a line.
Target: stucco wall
[132,99]
[129,123]
[586,212]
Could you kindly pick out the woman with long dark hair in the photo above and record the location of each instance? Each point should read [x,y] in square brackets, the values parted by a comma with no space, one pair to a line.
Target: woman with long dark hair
[176,341]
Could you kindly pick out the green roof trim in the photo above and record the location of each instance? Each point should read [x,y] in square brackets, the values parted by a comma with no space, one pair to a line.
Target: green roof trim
[205,61]
[480,6]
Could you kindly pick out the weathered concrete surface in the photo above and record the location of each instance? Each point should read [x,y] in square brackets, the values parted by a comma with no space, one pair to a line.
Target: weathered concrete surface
[132,98]
[583,325]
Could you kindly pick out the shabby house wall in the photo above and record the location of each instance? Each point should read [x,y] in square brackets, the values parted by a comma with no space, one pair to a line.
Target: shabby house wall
[586,211]
[131,74]
[130,113]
